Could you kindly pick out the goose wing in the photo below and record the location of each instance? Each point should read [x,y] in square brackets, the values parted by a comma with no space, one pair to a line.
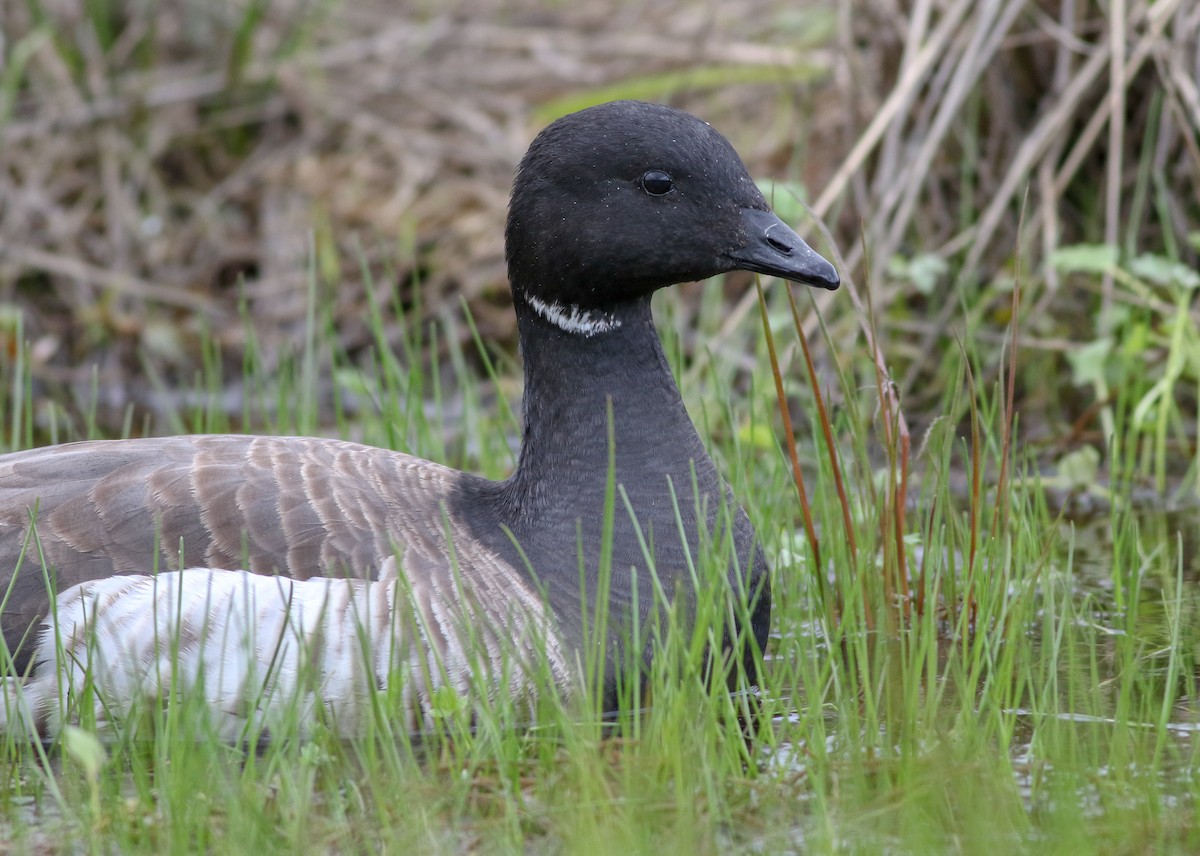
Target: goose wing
[294,506]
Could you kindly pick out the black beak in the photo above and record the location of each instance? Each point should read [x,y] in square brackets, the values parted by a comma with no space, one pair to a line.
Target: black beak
[774,249]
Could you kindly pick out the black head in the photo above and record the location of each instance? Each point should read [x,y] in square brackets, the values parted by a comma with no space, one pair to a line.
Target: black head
[621,199]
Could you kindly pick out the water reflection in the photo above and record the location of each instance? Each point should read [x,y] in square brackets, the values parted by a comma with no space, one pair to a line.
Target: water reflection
[1103,705]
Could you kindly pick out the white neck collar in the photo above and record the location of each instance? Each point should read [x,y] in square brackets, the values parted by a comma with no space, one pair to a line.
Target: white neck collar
[586,322]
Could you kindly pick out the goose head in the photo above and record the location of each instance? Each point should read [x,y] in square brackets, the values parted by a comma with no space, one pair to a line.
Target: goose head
[617,201]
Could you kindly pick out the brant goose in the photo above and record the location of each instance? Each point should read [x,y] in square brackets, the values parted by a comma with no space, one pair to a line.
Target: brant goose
[609,205]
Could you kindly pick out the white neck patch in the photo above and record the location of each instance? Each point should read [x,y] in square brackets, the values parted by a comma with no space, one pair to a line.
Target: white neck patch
[573,319]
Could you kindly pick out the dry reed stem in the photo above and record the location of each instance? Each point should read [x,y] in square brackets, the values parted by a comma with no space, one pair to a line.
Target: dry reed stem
[810,529]
[386,141]
[826,429]
[134,193]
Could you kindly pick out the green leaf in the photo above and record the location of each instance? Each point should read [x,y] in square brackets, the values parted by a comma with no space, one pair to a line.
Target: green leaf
[757,435]
[86,749]
[923,271]
[1135,341]
[1162,271]
[447,703]
[1080,467]
[1084,258]
[1088,362]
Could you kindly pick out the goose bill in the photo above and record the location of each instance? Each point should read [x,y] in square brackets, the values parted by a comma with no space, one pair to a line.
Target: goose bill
[772,248]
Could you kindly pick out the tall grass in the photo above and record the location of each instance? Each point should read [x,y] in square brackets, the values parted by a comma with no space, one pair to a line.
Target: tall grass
[1055,712]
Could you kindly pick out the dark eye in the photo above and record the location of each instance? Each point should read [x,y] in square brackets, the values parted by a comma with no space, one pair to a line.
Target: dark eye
[657,183]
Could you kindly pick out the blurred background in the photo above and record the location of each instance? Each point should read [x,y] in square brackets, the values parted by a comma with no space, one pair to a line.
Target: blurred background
[177,173]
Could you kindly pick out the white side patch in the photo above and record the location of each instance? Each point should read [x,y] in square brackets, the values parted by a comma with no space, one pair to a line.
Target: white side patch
[274,650]
[572,318]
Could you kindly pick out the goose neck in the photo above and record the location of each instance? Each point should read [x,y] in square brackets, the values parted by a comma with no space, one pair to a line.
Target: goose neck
[574,381]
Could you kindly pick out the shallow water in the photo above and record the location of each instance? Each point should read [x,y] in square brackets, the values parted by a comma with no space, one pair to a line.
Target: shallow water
[1104,747]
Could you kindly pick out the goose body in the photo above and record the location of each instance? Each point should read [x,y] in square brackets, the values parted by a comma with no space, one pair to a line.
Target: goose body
[609,205]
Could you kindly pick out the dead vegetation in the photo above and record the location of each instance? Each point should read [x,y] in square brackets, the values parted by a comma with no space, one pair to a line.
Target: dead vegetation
[162,162]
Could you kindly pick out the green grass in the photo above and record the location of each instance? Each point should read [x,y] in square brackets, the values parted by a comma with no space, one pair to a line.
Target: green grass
[1055,714]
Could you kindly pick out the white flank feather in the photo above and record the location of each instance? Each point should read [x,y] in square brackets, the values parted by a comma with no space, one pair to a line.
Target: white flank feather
[276,648]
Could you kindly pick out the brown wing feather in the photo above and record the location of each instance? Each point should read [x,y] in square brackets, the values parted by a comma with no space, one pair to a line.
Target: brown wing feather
[293,505]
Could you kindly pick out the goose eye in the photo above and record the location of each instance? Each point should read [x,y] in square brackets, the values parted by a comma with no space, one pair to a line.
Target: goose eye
[657,183]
